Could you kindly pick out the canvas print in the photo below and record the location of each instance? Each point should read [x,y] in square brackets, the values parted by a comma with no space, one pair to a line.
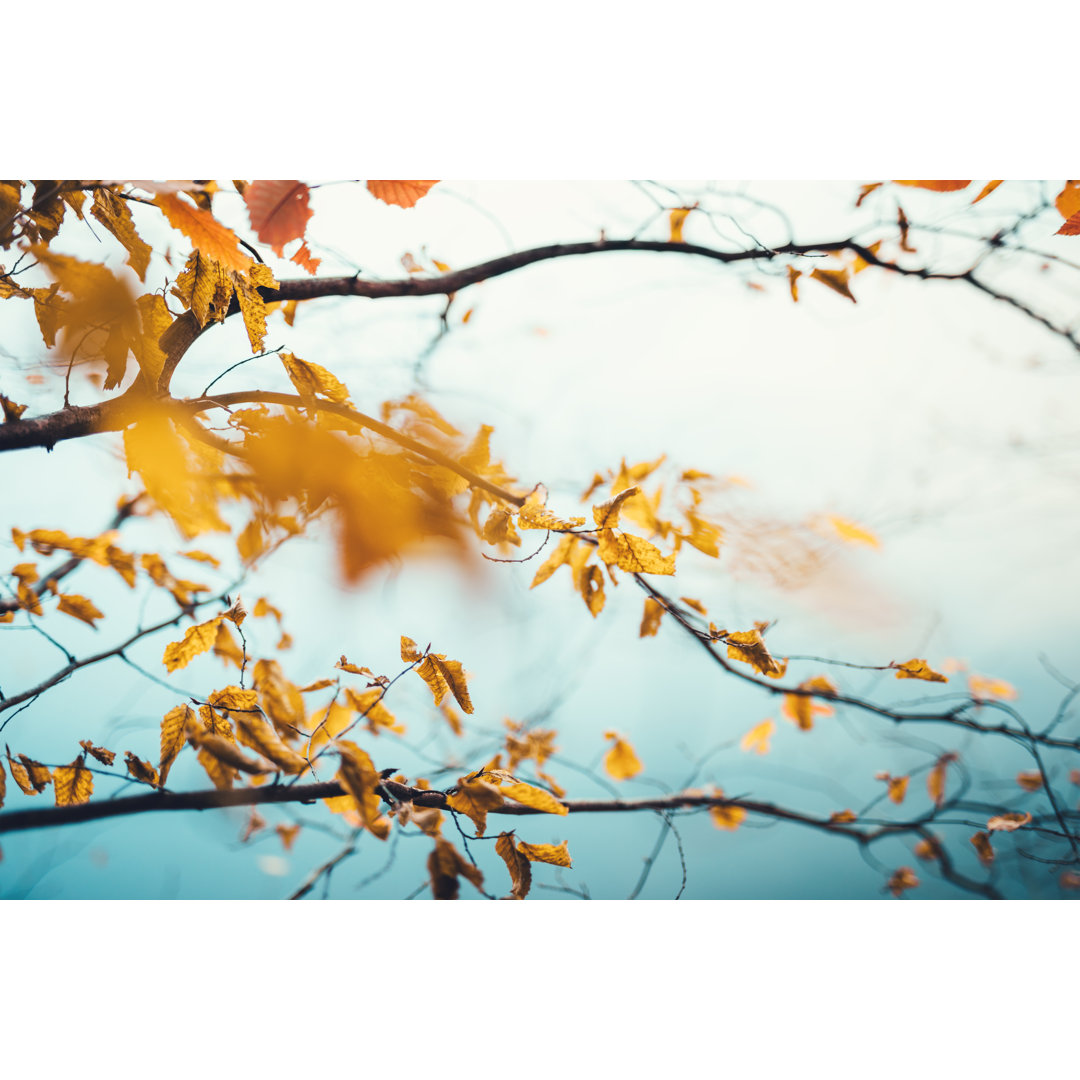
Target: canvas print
[466,540]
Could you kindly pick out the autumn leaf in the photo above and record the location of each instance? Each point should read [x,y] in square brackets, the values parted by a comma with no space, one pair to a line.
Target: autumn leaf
[801,709]
[633,554]
[445,865]
[728,818]
[621,762]
[173,736]
[793,278]
[837,280]
[313,381]
[983,688]
[31,776]
[851,533]
[981,842]
[99,753]
[115,214]
[405,193]
[141,770]
[1008,822]
[358,776]
[676,220]
[897,786]
[935,185]
[442,675]
[918,669]
[255,732]
[535,797]
[79,607]
[902,880]
[278,210]
[556,854]
[606,515]
[749,647]
[516,863]
[842,817]
[935,781]
[991,187]
[204,231]
[1030,781]
[73,784]
[474,798]
[559,557]
[650,618]
[197,639]
[928,849]
[756,740]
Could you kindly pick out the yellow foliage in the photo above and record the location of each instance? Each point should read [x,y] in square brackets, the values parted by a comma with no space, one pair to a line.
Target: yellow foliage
[801,708]
[535,797]
[556,854]
[756,740]
[174,727]
[517,863]
[474,798]
[749,647]
[650,617]
[73,784]
[79,607]
[358,776]
[445,865]
[621,762]
[633,554]
[197,639]
[313,381]
[918,669]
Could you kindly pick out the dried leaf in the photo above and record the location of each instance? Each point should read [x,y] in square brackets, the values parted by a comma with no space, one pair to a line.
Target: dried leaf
[676,220]
[901,880]
[935,782]
[312,380]
[981,842]
[106,757]
[475,798]
[174,725]
[141,770]
[842,817]
[897,786]
[837,280]
[445,865]
[633,554]
[728,818]
[650,618]
[749,647]
[115,214]
[556,854]
[359,777]
[79,607]
[1030,781]
[204,231]
[991,187]
[1008,822]
[516,863]
[535,797]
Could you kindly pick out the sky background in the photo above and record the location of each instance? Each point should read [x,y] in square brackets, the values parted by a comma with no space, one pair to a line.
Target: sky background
[940,420]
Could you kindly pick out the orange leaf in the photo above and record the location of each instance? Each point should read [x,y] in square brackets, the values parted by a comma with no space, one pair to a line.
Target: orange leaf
[676,220]
[989,189]
[897,786]
[935,185]
[1068,199]
[106,757]
[400,192]
[79,607]
[837,280]
[204,231]
[278,210]
[982,846]
[1030,781]
[935,782]
[902,879]
[928,849]
[793,277]
[801,708]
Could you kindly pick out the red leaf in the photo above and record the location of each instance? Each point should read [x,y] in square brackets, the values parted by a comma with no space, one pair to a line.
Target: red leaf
[278,210]
[1071,227]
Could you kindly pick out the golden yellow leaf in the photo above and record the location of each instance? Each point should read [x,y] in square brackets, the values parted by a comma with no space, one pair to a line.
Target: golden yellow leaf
[404,193]
[837,280]
[234,698]
[256,733]
[535,797]
[252,305]
[983,849]
[114,213]
[606,515]
[12,410]
[982,688]
[205,287]
[935,782]
[141,770]
[851,533]
[410,652]
[215,724]
[174,726]
[499,528]
[842,817]
[204,231]
[359,777]
[633,554]
[676,220]
[650,618]
[590,583]
[312,380]
[73,784]
[227,752]
[749,647]
[1008,822]
[516,863]
[445,865]
[901,880]
[1030,781]
[918,669]
[559,557]
[756,740]
[197,639]
[31,776]
[704,535]
[556,854]
[221,774]
[728,818]
[801,708]
[474,798]
[225,647]
[621,762]
[79,607]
